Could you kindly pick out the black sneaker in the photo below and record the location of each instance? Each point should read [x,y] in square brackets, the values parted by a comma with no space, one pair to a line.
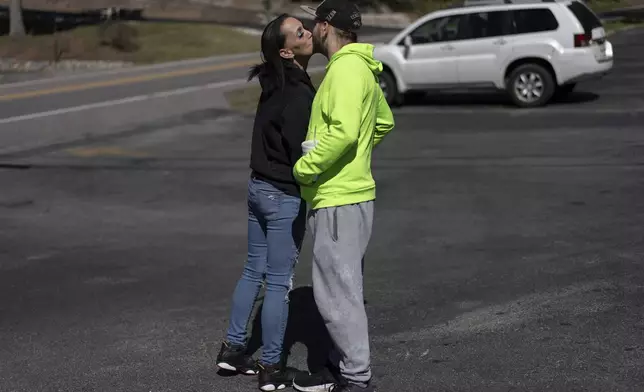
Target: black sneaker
[234,359]
[275,377]
[317,382]
[346,387]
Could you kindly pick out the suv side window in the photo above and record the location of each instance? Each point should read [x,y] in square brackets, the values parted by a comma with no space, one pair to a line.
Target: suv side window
[490,24]
[534,20]
[448,28]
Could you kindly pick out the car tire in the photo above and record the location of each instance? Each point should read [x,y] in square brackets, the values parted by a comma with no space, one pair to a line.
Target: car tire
[390,88]
[530,85]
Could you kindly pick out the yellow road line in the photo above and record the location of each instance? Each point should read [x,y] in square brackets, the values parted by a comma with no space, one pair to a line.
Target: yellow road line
[93,152]
[123,81]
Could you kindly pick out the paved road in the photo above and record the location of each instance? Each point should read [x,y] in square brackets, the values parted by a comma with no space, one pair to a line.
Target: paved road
[506,256]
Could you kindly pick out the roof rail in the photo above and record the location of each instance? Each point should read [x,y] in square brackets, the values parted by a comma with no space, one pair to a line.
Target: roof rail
[471,3]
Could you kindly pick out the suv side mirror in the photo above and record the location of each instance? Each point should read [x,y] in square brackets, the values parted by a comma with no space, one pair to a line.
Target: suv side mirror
[408,43]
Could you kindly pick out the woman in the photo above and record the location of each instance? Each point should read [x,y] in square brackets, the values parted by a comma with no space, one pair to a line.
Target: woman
[276,214]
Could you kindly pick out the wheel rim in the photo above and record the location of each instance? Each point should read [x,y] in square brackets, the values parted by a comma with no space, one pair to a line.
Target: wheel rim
[383,86]
[529,87]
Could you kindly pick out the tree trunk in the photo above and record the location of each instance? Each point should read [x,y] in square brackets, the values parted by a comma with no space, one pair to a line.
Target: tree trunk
[17,26]
[268,7]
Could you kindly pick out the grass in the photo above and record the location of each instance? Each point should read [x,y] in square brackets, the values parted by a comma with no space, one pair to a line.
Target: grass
[612,27]
[156,42]
[422,7]
[245,99]
[607,5]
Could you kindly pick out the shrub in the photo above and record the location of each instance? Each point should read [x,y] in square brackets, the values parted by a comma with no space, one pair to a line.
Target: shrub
[118,35]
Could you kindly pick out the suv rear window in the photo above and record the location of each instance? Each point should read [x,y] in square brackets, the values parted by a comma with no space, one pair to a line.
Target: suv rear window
[586,17]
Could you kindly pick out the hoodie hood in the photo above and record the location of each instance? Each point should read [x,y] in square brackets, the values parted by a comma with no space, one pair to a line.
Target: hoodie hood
[364,51]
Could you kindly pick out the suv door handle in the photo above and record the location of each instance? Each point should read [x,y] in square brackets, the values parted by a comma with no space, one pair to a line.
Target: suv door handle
[500,41]
[447,47]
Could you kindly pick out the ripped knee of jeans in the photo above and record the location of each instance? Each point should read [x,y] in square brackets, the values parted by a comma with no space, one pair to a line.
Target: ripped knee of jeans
[289,288]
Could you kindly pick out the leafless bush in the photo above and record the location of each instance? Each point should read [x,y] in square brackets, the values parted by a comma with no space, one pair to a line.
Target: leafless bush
[118,35]
[60,47]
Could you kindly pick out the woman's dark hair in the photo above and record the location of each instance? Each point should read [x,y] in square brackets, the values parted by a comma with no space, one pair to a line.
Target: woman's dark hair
[272,42]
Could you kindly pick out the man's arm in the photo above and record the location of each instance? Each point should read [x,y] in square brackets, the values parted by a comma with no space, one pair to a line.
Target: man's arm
[384,119]
[342,120]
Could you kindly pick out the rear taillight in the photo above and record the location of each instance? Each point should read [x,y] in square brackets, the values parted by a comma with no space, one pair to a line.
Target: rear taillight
[581,40]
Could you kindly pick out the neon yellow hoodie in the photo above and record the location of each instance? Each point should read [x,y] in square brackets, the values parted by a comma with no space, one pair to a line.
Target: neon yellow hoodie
[349,117]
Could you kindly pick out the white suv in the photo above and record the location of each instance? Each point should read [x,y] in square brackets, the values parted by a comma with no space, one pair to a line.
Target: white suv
[531,49]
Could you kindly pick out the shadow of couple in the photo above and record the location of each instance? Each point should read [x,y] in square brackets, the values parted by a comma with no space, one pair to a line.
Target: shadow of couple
[305,326]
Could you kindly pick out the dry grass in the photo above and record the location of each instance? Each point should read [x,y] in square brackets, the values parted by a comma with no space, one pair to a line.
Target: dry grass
[422,7]
[156,42]
[620,25]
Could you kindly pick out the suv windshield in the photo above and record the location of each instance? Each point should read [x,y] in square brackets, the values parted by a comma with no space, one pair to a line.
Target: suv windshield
[586,17]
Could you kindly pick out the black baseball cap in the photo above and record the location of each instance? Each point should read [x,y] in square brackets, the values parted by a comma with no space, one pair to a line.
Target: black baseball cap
[342,14]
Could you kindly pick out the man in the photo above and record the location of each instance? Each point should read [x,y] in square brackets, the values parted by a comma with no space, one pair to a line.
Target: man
[349,117]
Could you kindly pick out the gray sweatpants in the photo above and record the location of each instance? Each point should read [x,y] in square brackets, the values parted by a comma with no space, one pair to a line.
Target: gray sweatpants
[340,238]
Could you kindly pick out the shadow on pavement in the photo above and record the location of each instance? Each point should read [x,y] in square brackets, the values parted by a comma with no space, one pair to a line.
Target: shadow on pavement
[305,326]
[483,99]
[576,97]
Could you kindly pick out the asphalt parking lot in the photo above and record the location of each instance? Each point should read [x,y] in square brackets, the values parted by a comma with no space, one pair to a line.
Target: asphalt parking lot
[507,252]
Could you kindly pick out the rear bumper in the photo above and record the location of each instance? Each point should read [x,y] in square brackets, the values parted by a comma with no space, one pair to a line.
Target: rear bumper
[587,76]
[579,66]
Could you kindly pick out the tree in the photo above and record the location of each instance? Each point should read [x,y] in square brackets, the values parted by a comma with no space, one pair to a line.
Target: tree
[17,26]
[268,7]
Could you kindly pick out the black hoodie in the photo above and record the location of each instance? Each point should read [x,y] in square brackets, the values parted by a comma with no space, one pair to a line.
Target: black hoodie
[281,123]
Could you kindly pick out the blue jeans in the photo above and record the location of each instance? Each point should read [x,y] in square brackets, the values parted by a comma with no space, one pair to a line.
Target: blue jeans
[276,225]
